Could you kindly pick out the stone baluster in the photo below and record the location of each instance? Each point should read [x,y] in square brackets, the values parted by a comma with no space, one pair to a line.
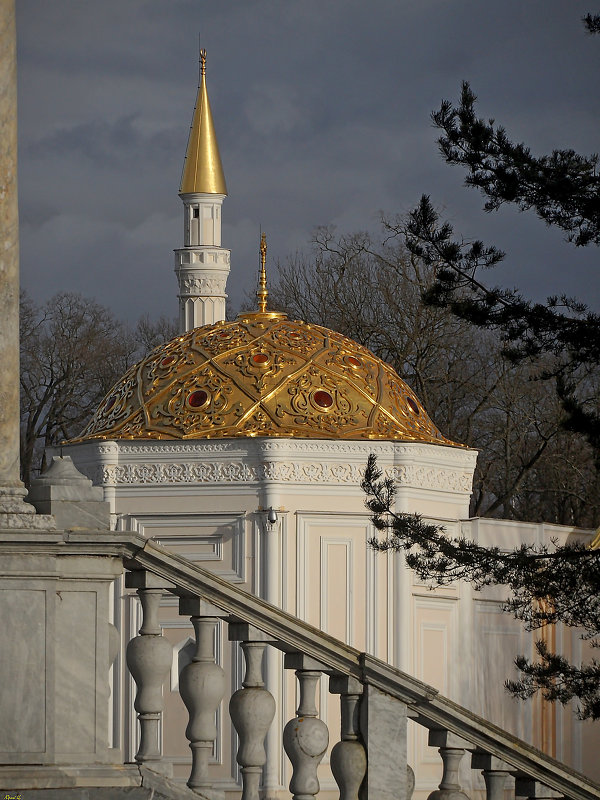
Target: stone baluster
[202,685]
[494,771]
[452,749]
[305,738]
[251,708]
[348,757]
[149,659]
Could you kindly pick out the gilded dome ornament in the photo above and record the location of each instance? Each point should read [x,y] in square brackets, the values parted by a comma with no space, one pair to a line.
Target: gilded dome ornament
[262,291]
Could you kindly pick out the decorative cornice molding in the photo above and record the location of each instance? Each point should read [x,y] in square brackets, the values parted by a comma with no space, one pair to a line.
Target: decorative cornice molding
[414,466]
[303,472]
[293,447]
[158,448]
[438,479]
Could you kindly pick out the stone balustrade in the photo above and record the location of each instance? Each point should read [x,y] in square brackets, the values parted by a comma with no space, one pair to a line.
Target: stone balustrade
[369,760]
[369,754]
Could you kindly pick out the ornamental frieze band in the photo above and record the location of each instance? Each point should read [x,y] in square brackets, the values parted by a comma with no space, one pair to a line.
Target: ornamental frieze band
[286,472]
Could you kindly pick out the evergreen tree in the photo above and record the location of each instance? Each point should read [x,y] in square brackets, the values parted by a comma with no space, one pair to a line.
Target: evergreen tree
[564,190]
[548,584]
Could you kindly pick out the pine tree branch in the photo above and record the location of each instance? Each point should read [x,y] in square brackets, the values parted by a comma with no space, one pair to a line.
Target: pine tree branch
[548,585]
[562,188]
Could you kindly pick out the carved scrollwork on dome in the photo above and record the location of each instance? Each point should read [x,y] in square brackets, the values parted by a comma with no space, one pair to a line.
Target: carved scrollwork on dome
[298,337]
[257,424]
[118,403]
[261,366]
[220,338]
[317,401]
[262,375]
[405,403]
[197,403]
[356,367]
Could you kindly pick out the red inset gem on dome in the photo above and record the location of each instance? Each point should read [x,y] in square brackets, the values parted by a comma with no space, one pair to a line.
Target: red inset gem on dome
[323,399]
[198,398]
[412,405]
[260,358]
[224,335]
[110,403]
[167,360]
[353,361]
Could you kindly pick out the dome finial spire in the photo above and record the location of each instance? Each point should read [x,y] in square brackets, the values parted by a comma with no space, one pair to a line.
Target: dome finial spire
[202,61]
[262,292]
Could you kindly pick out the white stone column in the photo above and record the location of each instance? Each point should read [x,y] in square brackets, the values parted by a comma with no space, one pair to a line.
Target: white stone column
[107,455]
[12,490]
[270,570]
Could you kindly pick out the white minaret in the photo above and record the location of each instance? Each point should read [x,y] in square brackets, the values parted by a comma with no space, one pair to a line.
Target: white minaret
[202,265]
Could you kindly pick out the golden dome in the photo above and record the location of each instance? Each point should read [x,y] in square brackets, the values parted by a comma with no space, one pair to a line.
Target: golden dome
[262,375]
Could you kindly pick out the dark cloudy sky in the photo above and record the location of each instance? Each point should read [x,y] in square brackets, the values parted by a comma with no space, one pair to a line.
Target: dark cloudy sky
[322,113]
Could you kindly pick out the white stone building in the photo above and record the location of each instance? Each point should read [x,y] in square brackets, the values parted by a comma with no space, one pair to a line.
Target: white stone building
[240,446]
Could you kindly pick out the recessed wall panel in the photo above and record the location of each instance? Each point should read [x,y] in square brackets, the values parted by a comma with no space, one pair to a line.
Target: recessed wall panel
[23,634]
[75,678]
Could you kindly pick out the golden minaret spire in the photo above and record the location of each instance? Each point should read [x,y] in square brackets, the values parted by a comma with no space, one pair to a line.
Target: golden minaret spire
[202,264]
[262,292]
[202,169]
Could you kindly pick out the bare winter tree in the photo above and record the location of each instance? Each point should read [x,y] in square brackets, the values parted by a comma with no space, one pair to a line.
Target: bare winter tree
[72,352]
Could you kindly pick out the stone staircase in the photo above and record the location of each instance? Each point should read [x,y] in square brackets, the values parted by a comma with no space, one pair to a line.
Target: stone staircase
[377,701]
